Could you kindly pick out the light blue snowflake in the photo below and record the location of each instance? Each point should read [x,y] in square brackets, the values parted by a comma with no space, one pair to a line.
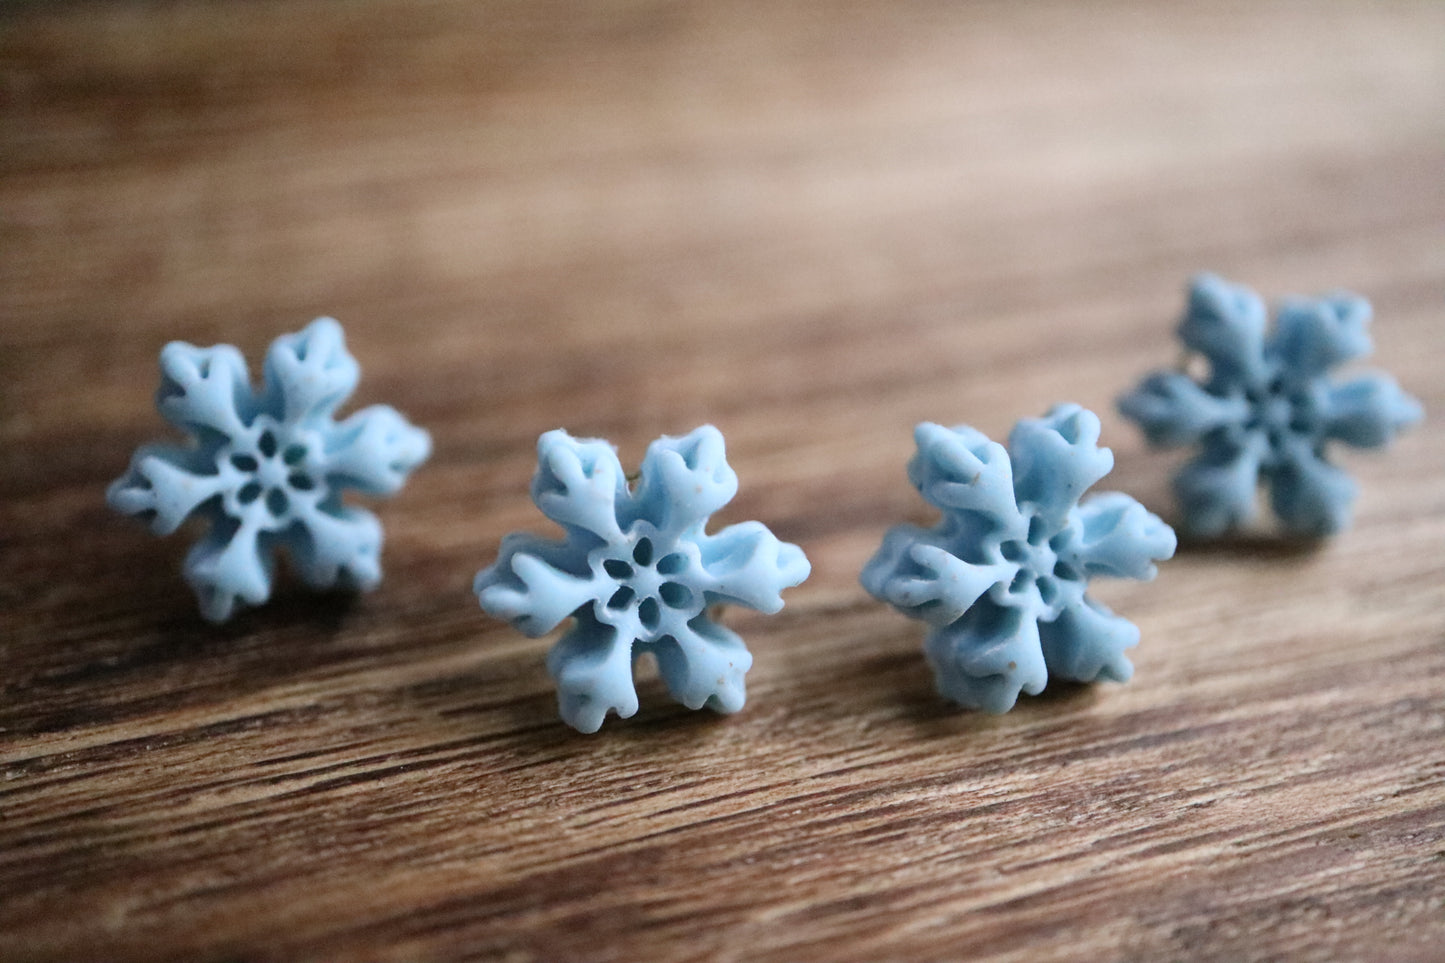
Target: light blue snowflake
[637,573]
[1266,411]
[1001,579]
[268,469]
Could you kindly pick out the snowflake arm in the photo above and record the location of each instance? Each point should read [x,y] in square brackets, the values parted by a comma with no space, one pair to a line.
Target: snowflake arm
[1311,496]
[164,485]
[205,391]
[703,664]
[1174,411]
[1002,577]
[1313,335]
[1115,536]
[1216,489]
[1368,411]
[531,585]
[986,658]
[580,485]
[1056,459]
[962,473]
[229,566]
[915,573]
[745,564]
[684,480]
[592,664]
[1086,643]
[337,546]
[637,572]
[1226,324]
[267,470]
[374,451]
[310,374]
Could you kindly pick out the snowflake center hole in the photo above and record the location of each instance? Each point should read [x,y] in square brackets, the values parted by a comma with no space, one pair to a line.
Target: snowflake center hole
[617,568]
[267,445]
[245,463]
[277,502]
[621,598]
[1048,590]
[675,595]
[672,564]
[642,554]
[649,613]
[1013,550]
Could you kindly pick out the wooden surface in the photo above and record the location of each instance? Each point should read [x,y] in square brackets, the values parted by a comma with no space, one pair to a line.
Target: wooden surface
[812,227]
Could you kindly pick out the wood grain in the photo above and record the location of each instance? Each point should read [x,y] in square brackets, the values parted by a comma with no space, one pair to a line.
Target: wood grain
[812,226]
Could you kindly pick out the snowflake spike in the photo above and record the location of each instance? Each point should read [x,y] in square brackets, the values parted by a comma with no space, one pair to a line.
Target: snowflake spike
[703,664]
[1270,424]
[1312,497]
[309,374]
[1313,335]
[923,580]
[375,450]
[991,584]
[745,564]
[1369,411]
[580,484]
[961,469]
[205,389]
[163,484]
[684,480]
[338,548]
[1121,538]
[1225,323]
[1174,411]
[229,566]
[985,659]
[257,471]
[1216,490]
[1086,643]
[638,573]
[530,586]
[592,665]
[1056,459]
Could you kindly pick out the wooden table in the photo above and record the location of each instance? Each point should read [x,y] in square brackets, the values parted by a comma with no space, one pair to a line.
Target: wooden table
[812,227]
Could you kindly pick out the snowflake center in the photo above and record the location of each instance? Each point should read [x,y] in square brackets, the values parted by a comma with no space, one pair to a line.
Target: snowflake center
[646,584]
[1041,573]
[274,472]
[1279,412]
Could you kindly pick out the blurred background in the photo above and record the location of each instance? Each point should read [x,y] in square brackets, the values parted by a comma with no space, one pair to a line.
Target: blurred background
[645,194]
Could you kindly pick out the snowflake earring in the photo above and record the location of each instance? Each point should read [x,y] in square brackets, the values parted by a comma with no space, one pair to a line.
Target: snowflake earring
[267,469]
[1002,578]
[1267,412]
[637,573]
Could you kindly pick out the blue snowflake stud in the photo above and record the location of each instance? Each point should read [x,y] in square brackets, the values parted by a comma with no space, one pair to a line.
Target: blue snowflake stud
[1267,412]
[637,573]
[1001,579]
[267,469]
